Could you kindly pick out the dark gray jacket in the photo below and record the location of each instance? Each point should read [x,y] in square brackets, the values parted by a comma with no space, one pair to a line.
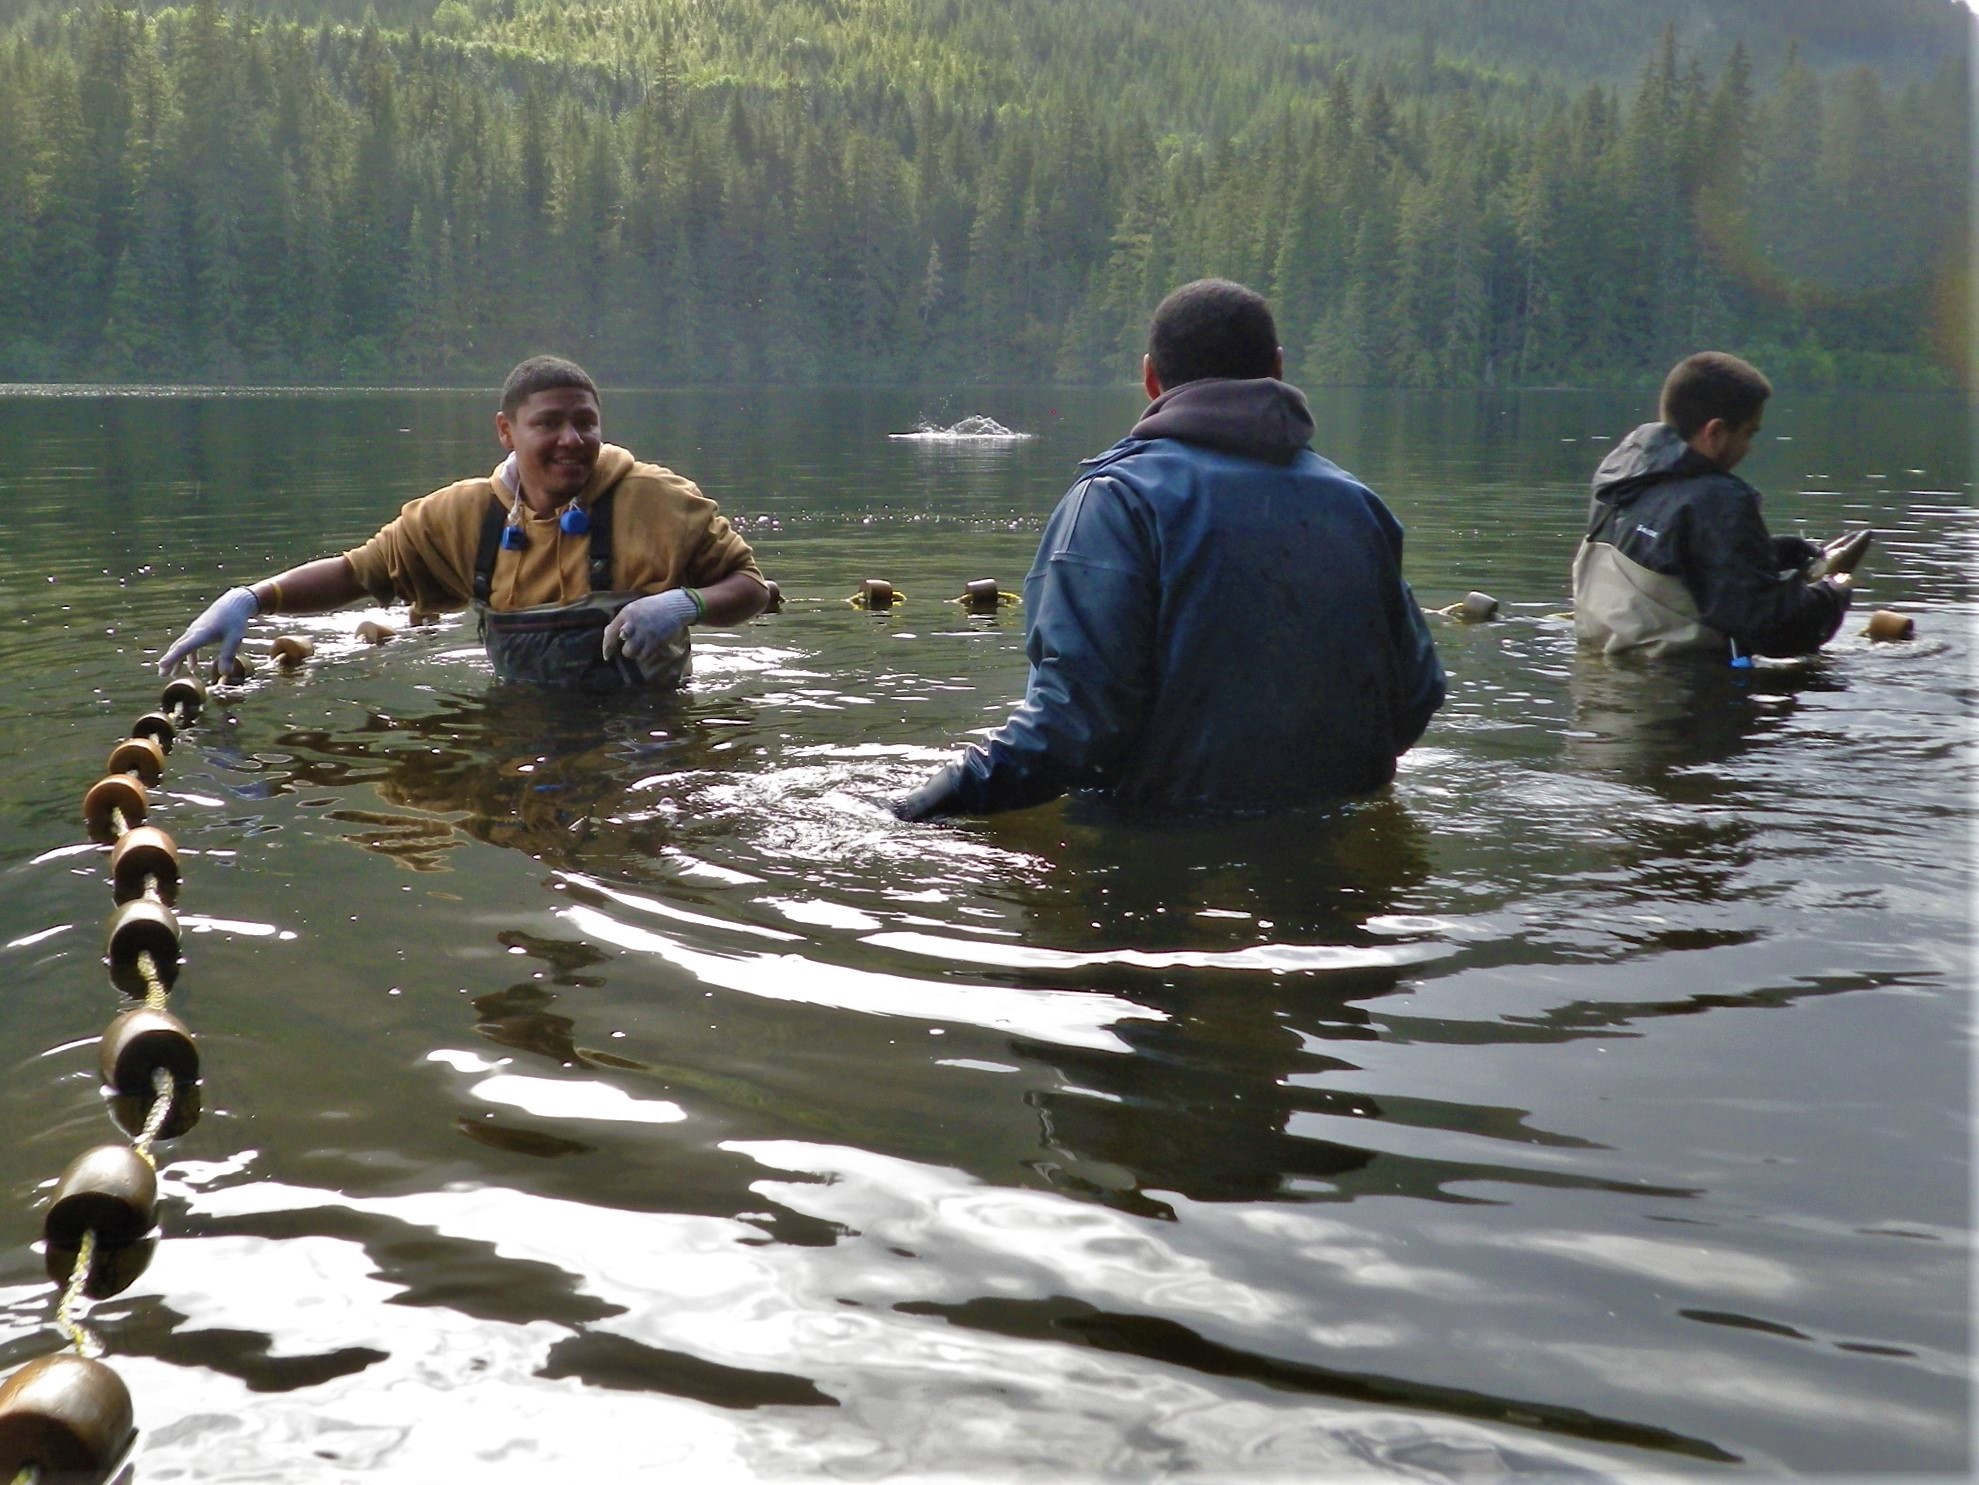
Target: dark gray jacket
[1677,558]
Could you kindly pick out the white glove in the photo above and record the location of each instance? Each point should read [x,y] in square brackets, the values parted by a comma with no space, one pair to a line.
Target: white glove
[224,622]
[644,625]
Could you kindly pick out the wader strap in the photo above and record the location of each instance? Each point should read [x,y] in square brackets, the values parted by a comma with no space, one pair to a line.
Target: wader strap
[490,546]
[601,542]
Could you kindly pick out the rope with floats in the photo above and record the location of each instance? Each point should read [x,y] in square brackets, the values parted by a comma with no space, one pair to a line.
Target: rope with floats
[69,1414]
[981,596]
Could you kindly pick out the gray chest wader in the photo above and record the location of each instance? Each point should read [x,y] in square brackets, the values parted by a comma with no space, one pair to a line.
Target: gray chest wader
[562,645]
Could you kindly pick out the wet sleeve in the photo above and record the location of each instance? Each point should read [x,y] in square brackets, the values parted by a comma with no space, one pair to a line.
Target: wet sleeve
[1728,563]
[1091,606]
[1420,669]
[1420,684]
[1423,686]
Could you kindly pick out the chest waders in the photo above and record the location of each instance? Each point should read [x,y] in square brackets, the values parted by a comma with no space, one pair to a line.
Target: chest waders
[559,644]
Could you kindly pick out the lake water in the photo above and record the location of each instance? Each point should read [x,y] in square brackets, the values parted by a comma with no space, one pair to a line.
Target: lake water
[616,1091]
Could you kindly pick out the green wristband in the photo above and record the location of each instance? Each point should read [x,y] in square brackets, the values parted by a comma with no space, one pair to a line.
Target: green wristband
[700,604]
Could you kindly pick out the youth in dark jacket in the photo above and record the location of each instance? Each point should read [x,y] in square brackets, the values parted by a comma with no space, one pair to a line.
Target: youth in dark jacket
[1216,617]
[1677,557]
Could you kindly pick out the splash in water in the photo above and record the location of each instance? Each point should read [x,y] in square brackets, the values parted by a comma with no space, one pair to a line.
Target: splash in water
[967,429]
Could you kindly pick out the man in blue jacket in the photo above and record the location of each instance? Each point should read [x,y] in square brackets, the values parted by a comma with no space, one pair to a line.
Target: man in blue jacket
[1216,619]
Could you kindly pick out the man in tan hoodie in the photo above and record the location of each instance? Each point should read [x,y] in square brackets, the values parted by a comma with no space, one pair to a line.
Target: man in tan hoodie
[585,567]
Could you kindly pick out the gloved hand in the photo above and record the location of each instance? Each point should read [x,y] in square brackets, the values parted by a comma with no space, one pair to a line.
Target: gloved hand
[1840,555]
[1795,554]
[224,622]
[644,625]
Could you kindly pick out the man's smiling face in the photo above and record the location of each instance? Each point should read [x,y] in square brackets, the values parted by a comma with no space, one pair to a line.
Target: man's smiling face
[555,436]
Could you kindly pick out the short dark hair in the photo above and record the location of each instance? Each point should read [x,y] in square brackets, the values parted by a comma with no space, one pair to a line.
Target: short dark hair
[1212,327]
[540,374]
[1710,385]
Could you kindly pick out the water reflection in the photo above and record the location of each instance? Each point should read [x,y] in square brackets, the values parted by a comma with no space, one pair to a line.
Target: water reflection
[1671,740]
[1244,1089]
[1157,1339]
[1671,726]
[1202,1102]
[561,778]
[1204,1051]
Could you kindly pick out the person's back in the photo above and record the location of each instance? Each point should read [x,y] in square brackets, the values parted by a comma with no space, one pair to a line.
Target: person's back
[1275,597]
[1216,618]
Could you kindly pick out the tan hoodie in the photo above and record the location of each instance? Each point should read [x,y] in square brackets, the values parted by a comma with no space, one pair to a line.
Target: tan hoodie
[665,534]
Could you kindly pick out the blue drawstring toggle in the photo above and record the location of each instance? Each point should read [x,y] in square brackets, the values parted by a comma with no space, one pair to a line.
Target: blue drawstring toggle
[574,522]
[512,539]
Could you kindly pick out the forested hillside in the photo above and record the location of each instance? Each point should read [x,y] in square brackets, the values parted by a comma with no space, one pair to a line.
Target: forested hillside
[1433,192]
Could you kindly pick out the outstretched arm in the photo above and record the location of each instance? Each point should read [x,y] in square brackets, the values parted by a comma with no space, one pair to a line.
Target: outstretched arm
[313,588]
[1091,603]
[327,583]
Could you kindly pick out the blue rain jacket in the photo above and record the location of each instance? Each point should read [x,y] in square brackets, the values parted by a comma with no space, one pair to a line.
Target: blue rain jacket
[1216,620]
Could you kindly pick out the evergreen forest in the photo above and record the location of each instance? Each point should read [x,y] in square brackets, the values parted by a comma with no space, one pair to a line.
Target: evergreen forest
[1433,193]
